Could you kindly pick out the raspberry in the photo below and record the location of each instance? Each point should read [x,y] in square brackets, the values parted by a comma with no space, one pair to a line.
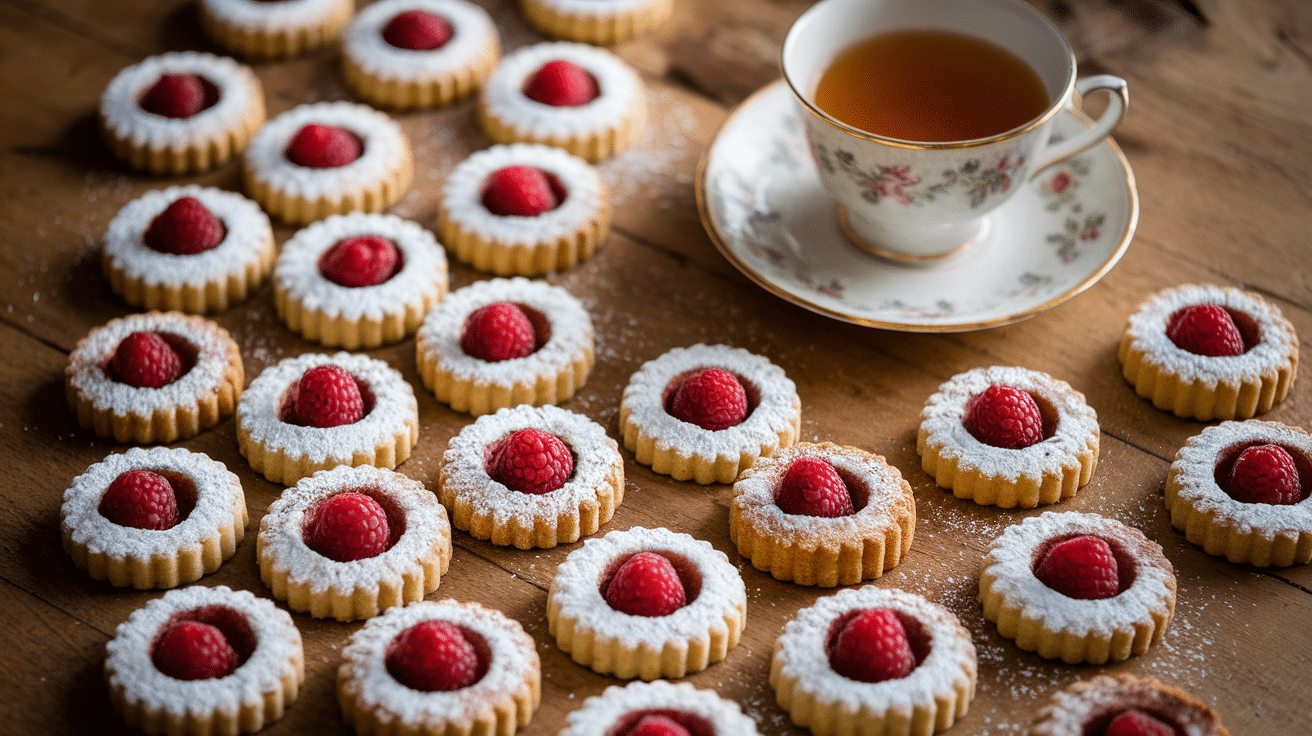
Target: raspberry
[432,655]
[519,191]
[711,398]
[327,396]
[417,30]
[655,724]
[348,526]
[176,96]
[497,332]
[811,487]
[645,585]
[1080,567]
[872,647]
[145,360]
[1265,474]
[190,650]
[324,147]
[1003,416]
[184,228]
[562,83]
[1205,329]
[1134,722]
[532,461]
[367,260]
[141,499]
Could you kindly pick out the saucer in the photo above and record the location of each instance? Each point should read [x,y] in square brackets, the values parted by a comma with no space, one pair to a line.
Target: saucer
[761,201]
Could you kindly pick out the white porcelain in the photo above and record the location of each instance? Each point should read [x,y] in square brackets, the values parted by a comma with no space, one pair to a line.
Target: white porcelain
[762,201]
[918,201]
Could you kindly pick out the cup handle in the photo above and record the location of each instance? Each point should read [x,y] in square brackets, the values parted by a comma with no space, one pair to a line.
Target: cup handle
[1118,94]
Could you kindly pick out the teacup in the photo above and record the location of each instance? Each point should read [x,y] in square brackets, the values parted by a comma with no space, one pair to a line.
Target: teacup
[925,201]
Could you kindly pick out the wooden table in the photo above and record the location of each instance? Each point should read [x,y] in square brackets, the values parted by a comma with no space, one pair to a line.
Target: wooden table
[1218,134]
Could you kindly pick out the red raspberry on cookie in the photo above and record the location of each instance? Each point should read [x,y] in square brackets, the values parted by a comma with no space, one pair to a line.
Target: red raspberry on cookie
[1205,329]
[711,398]
[175,96]
[872,647]
[811,487]
[327,396]
[646,585]
[655,724]
[1004,416]
[432,656]
[367,260]
[519,191]
[141,499]
[1265,474]
[318,146]
[532,461]
[145,360]
[562,83]
[190,650]
[348,526]
[1081,567]
[417,30]
[185,227]
[497,332]
[1135,722]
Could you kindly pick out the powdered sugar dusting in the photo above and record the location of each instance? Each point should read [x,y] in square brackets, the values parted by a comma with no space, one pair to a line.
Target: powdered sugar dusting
[462,194]
[219,497]
[889,498]
[423,271]
[803,652]
[1011,560]
[465,478]
[577,588]
[385,150]
[1077,424]
[472,34]
[513,663]
[87,375]
[282,539]
[665,155]
[248,237]
[597,8]
[1194,473]
[776,408]
[602,714]
[261,15]
[571,332]
[121,112]
[1277,339]
[394,407]
[277,656]
[621,92]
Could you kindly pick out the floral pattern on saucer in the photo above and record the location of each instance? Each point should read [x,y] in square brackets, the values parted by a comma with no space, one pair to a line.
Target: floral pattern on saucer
[762,202]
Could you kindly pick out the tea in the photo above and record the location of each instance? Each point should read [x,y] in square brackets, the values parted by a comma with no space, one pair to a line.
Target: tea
[930,86]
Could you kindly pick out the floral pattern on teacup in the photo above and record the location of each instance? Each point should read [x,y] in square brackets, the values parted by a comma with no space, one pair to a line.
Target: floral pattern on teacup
[902,186]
